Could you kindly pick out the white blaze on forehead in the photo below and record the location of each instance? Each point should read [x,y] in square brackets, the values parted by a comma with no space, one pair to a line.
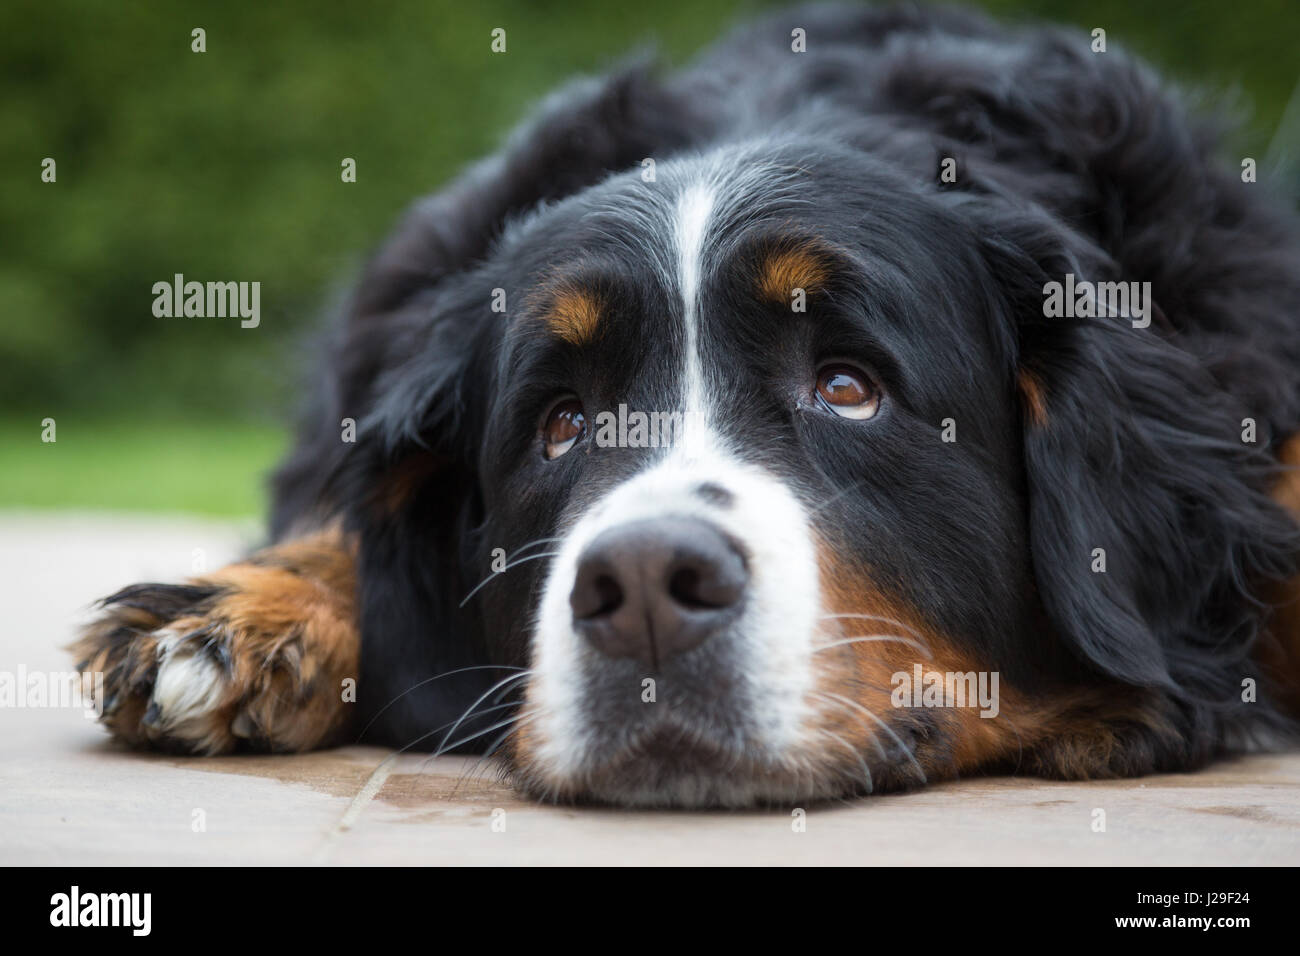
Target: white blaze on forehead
[693,211]
[691,228]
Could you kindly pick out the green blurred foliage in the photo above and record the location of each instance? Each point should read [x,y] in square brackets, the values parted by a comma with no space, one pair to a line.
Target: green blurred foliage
[225,165]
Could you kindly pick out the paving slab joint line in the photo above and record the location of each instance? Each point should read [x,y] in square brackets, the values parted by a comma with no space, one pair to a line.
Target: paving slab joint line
[359,803]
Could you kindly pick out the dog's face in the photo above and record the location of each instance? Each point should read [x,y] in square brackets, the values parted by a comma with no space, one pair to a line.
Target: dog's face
[750,451]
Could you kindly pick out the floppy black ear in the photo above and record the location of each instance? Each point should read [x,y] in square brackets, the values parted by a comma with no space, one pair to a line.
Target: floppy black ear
[411,366]
[1151,530]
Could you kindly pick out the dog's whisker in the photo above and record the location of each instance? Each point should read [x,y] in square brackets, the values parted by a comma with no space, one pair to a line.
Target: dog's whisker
[874,617]
[474,736]
[520,721]
[857,756]
[502,693]
[506,682]
[898,740]
[536,541]
[849,705]
[444,726]
[453,724]
[869,638]
[430,680]
[532,557]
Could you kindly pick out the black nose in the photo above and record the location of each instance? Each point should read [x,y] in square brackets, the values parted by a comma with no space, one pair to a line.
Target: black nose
[654,589]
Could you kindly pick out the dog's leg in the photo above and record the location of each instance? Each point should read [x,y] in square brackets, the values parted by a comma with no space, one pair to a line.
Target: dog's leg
[258,655]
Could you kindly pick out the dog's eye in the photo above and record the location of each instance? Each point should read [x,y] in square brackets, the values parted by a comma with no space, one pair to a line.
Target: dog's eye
[564,425]
[847,391]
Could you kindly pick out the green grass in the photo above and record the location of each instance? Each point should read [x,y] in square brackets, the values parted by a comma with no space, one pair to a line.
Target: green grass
[203,468]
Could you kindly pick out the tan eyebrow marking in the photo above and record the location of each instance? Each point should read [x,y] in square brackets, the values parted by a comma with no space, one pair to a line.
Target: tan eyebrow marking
[802,266]
[574,314]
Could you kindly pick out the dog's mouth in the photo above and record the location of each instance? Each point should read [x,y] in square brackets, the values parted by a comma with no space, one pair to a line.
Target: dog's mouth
[668,751]
[675,764]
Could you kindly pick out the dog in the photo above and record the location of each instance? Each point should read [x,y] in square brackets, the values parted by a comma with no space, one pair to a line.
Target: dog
[775,431]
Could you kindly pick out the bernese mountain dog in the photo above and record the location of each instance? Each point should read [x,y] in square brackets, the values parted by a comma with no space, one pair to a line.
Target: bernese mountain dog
[889,395]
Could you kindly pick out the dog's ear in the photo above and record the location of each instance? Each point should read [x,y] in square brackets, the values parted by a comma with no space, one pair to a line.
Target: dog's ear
[1151,530]
[393,436]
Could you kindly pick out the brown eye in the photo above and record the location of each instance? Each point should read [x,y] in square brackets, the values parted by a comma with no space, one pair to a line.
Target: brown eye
[564,425]
[848,391]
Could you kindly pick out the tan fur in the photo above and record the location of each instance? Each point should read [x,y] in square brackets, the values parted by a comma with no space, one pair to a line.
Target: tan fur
[785,270]
[574,315]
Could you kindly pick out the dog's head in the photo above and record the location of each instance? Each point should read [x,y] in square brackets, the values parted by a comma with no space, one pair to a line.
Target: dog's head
[769,469]
[727,398]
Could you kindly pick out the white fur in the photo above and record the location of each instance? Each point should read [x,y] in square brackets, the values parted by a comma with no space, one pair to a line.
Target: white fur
[189,686]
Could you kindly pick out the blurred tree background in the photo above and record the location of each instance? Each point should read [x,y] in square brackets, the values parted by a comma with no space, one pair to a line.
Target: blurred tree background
[225,166]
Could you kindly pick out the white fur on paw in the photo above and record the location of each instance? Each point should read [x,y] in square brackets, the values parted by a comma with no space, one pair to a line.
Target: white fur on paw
[189,687]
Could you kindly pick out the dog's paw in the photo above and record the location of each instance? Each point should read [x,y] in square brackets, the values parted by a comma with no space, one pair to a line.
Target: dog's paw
[254,656]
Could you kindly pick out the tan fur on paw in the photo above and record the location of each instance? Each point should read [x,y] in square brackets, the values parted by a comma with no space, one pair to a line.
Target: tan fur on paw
[254,656]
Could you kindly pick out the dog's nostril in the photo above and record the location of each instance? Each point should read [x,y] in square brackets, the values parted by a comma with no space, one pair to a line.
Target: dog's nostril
[717,584]
[596,593]
[684,587]
[609,594]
